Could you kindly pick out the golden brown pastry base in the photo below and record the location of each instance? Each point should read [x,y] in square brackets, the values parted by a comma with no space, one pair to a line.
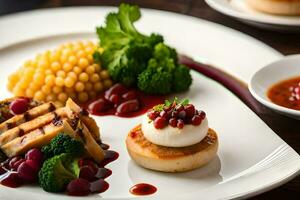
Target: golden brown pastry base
[170,159]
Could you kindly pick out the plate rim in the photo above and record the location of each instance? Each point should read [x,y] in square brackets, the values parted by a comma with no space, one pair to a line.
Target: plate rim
[266,188]
[229,11]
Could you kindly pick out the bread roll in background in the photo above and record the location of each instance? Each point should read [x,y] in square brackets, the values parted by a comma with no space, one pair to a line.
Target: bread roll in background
[277,7]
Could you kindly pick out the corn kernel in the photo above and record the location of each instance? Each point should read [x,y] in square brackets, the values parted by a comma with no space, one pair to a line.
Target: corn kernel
[61,74]
[55,66]
[67,67]
[84,77]
[59,81]
[62,97]
[69,82]
[77,70]
[83,63]
[83,97]
[95,78]
[79,86]
[98,87]
[56,90]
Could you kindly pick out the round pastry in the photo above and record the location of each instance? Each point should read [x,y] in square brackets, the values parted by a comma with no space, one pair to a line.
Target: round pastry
[279,7]
[170,146]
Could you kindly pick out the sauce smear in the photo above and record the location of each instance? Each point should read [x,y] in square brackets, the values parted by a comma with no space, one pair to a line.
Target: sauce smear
[142,189]
[286,93]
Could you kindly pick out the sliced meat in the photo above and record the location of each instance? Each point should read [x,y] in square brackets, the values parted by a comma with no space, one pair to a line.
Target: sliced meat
[89,122]
[83,134]
[34,139]
[29,115]
[36,123]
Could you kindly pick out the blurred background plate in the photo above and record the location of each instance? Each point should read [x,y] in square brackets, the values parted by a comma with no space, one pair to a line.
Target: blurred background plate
[239,10]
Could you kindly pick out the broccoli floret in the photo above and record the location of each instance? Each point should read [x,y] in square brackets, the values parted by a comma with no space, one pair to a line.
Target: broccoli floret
[135,59]
[155,81]
[182,78]
[161,72]
[63,143]
[57,172]
[126,51]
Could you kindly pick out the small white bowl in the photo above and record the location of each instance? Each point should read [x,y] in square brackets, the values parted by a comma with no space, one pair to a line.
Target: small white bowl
[262,80]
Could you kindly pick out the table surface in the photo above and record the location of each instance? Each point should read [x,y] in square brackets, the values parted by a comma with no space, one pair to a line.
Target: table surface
[286,43]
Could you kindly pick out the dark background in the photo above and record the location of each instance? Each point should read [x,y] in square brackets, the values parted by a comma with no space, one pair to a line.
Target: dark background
[286,43]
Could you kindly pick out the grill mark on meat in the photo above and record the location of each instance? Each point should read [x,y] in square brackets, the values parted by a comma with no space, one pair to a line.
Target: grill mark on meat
[56,119]
[21,132]
[42,130]
[51,107]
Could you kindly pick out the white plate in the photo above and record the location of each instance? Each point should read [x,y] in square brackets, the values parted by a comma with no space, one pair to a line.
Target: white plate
[263,79]
[251,158]
[240,10]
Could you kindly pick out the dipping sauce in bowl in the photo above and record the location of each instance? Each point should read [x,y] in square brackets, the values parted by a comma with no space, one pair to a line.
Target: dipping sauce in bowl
[286,93]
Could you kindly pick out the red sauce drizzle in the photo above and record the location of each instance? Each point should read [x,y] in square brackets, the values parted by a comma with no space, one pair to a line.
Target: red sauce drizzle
[142,189]
[286,93]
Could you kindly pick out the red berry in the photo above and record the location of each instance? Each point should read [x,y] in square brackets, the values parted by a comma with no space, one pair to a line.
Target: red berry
[202,114]
[27,172]
[34,164]
[174,113]
[152,114]
[19,106]
[173,122]
[12,180]
[87,173]
[103,173]
[164,114]
[181,114]
[115,89]
[128,106]
[100,105]
[13,161]
[35,155]
[179,108]
[190,110]
[129,95]
[180,123]
[99,186]
[160,122]
[196,120]
[16,164]
[115,99]
[78,187]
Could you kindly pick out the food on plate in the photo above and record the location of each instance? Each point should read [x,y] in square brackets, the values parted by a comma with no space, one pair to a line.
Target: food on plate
[57,147]
[286,93]
[278,7]
[173,137]
[138,60]
[67,71]
[122,101]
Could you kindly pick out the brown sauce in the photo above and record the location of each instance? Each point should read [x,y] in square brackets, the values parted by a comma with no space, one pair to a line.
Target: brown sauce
[286,93]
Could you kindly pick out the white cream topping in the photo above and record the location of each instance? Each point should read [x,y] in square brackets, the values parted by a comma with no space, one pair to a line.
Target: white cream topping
[174,137]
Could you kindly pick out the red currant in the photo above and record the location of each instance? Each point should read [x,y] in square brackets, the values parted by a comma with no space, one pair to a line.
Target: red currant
[152,114]
[196,120]
[202,114]
[173,122]
[180,123]
[190,110]
[159,122]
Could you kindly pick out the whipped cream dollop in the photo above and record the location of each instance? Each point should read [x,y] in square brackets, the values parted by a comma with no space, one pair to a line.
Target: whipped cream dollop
[174,137]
